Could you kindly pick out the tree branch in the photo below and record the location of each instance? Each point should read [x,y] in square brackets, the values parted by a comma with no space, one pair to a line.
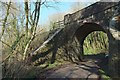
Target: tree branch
[5,19]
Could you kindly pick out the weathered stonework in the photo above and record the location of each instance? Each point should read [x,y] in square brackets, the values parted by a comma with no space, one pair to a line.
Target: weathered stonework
[114,49]
[100,16]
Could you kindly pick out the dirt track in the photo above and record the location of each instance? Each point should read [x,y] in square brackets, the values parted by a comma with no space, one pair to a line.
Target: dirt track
[88,69]
[82,70]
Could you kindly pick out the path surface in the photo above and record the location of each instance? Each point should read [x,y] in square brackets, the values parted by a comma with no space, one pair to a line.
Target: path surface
[87,70]
[81,70]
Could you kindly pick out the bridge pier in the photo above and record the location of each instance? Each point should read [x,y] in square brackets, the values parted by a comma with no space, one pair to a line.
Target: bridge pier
[114,58]
[114,44]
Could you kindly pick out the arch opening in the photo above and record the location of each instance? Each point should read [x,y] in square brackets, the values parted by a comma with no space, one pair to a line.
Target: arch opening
[92,28]
[96,42]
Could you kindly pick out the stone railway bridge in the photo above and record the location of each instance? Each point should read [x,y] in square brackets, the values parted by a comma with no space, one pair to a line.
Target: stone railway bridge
[100,16]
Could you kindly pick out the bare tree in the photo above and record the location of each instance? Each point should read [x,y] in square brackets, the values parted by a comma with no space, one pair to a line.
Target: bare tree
[5,19]
[34,26]
[34,19]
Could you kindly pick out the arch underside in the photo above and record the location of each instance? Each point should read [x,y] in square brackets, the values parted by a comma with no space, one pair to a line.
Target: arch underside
[83,31]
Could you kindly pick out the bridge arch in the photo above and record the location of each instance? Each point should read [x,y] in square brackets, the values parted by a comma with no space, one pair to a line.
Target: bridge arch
[84,30]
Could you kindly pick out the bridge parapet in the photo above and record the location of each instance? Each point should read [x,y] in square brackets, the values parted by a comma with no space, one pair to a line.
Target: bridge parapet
[94,11]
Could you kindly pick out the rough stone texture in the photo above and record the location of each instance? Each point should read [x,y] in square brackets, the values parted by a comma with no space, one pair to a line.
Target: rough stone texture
[114,58]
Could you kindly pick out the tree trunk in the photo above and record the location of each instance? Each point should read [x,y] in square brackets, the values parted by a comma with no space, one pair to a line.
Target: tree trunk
[26,13]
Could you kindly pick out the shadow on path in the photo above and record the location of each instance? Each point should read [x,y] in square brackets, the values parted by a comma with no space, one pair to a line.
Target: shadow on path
[101,60]
[87,69]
